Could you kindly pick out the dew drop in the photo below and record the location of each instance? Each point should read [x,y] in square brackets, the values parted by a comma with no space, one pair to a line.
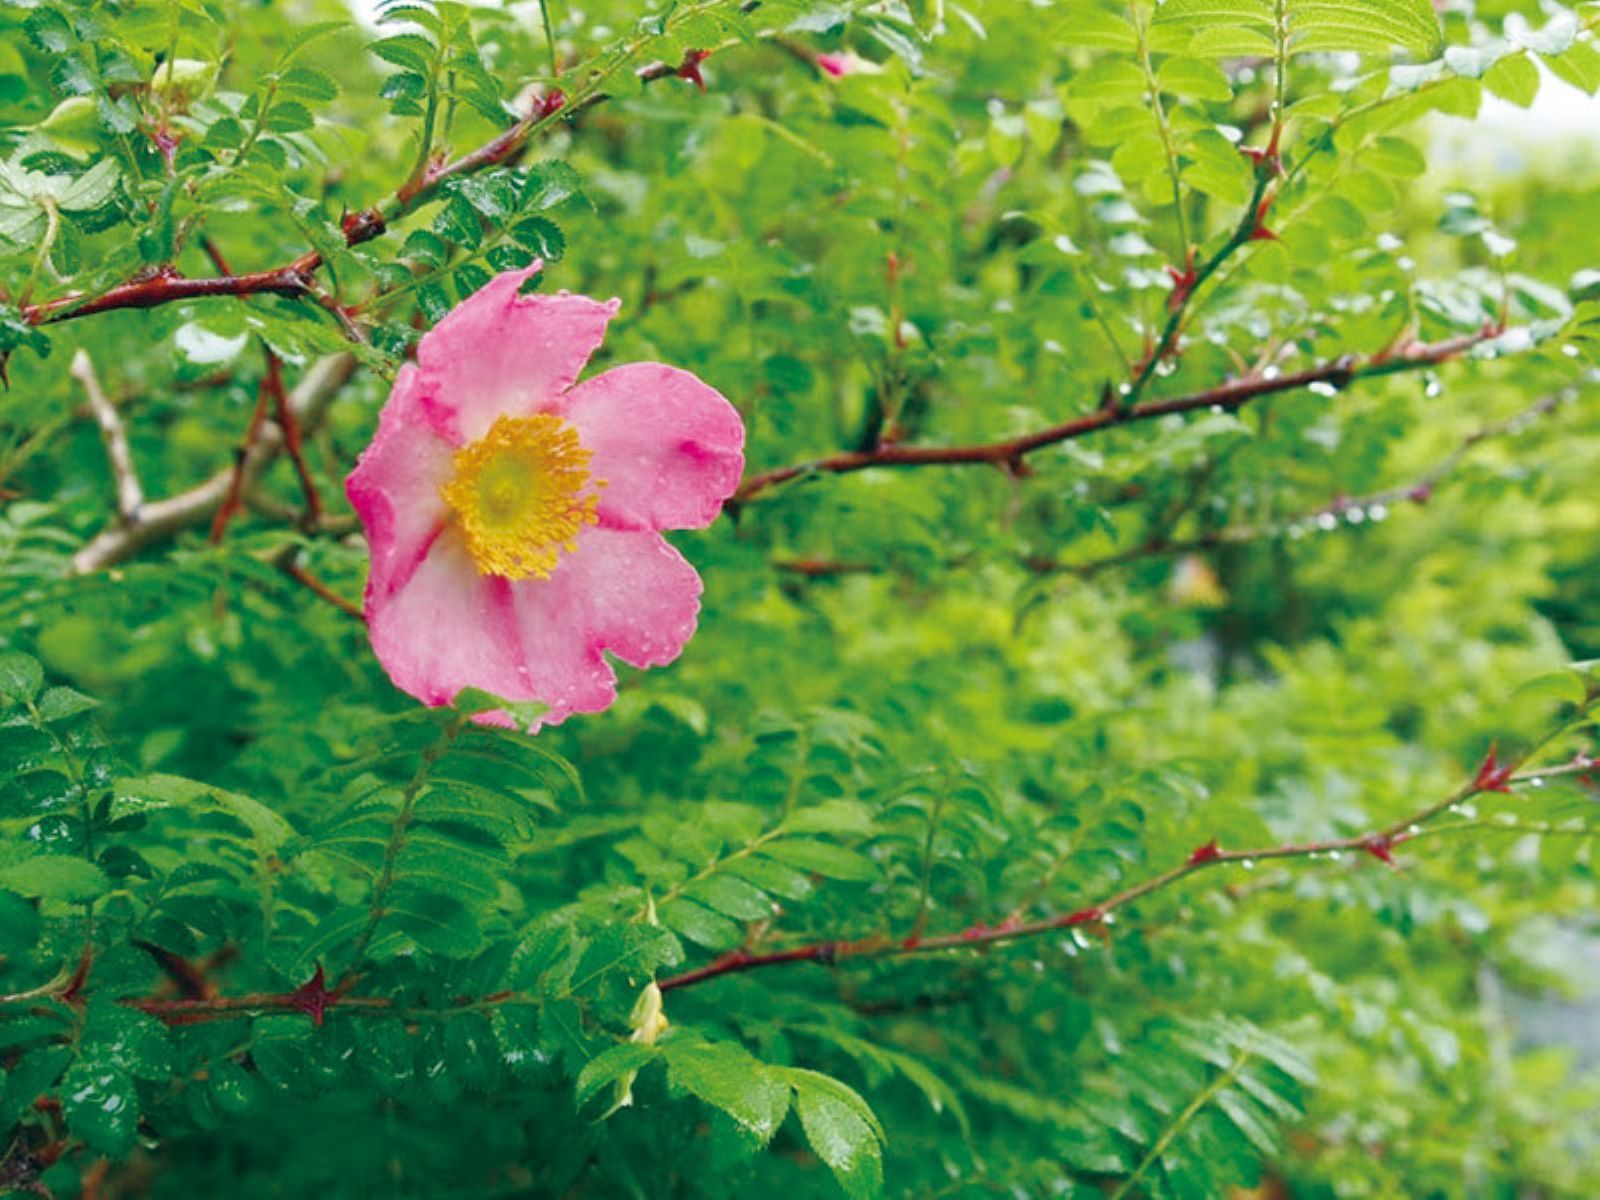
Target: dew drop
[1378,512]
[1249,864]
[1327,521]
[1335,855]
[1356,515]
[1323,388]
[1537,781]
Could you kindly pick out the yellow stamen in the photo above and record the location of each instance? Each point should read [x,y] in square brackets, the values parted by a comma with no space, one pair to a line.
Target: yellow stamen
[518,495]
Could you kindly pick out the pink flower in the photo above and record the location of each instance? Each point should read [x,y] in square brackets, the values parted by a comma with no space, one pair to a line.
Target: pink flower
[513,516]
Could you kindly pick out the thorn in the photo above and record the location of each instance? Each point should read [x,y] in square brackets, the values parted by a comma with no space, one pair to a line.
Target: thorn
[1381,849]
[1183,282]
[550,103]
[80,976]
[1210,852]
[1016,467]
[1083,916]
[1261,233]
[690,69]
[1493,775]
[312,997]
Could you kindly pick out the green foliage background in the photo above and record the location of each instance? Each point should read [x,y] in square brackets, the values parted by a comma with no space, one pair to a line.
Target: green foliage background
[922,701]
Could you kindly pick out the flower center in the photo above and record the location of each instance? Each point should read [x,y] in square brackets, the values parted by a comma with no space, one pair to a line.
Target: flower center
[517,494]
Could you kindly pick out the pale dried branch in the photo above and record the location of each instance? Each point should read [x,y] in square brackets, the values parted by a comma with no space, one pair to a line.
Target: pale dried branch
[162,519]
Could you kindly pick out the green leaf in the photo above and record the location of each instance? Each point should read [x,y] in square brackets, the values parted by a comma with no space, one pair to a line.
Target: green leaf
[1084,23]
[101,1106]
[438,923]
[731,1080]
[21,677]
[307,83]
[289,116]
[48,29]
[821,858]
[1314,26]
[269,828]
[1578,65]
[410,51]
[56,877]
[20,924]
[93,189]
[700,924]
[842,1130]
[60,703]
[550,183]
[732,897]
[619,1062]
[117,1036]
[1194,77]
[1514,78]
[1395,156]
[540,236]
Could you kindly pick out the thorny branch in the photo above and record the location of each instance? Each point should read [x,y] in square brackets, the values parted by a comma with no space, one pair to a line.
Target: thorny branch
[296,279]
[1355,508]
[315,999]
[1380,844]
[1230,396]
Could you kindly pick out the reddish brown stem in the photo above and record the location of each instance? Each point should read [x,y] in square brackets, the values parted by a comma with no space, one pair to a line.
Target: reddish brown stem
[234,499]
[1230,396]
[321,590]
[282,411]
[295,279]
[1379,844]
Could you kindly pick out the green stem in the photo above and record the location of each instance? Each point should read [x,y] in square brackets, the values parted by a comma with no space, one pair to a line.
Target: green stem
[397,836]
[1180,1122]
[1163,125]
[549,37]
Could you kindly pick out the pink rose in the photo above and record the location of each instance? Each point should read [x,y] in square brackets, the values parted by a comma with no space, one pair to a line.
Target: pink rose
[513,517]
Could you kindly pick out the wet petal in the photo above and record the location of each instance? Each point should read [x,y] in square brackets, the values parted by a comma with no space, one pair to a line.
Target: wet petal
[669,447]
[502,353]
[395,486]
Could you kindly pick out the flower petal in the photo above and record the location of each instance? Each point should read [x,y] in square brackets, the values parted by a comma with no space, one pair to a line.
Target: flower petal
[499,352]
[623,591]
[446,627]
[395,486]
[669,447]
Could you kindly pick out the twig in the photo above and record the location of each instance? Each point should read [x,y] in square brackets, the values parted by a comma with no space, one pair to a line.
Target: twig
[288,561]
[1229,396]
[161,519]
[1353,508]
[296,279]
[271,389]
[233,498]
[314,999]
[130,495]
[1378,843]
